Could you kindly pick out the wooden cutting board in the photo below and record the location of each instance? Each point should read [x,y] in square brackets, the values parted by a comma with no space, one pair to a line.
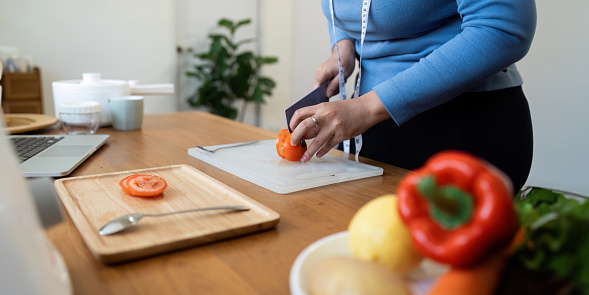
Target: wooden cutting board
[19,123]
[94,200]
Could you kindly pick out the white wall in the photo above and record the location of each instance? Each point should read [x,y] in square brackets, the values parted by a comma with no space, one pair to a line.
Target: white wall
[127,40]
[298,34]
[556,75]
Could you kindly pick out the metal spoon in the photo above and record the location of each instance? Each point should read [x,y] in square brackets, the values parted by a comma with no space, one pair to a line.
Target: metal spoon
[226,146]
[120,223]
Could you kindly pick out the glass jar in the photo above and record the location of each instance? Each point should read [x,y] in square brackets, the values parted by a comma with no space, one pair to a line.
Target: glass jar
[80,117]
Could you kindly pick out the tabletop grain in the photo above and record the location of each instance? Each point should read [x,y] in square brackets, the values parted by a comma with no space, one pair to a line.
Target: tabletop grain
[258,263]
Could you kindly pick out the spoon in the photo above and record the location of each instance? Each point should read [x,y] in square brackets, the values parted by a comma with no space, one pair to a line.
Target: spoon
[226,146]
[123,222]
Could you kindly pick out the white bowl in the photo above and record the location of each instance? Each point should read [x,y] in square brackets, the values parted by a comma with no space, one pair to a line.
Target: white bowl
[419,282]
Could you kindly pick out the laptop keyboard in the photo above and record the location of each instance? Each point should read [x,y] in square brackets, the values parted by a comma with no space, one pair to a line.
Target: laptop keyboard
[26,147]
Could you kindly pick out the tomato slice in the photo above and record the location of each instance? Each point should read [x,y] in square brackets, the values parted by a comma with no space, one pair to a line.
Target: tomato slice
[124,183]
[143,185]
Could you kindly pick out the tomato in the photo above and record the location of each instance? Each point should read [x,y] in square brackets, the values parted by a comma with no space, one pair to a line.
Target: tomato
[286,150]
[124,183]
[143,185]
[280,142]
[294,153]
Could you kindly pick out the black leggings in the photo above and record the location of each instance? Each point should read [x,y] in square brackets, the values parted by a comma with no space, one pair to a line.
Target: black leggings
[493,125]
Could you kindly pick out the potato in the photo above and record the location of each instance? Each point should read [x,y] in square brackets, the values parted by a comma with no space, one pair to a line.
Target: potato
[344,275]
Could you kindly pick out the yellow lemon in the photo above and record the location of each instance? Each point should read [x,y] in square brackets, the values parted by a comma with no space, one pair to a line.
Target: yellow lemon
[377,234]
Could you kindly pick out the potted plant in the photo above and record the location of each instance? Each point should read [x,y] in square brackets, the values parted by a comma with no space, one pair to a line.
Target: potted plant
[229,74]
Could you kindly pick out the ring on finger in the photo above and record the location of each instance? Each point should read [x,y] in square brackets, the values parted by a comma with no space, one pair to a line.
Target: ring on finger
[315,121]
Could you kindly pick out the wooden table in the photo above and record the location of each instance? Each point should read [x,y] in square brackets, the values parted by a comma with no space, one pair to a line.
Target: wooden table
[254,264]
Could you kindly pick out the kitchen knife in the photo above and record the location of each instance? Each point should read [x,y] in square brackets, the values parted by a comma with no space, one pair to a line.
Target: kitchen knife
[316,96]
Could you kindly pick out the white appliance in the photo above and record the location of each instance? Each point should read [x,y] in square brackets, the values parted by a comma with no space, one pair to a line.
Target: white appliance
[93,88]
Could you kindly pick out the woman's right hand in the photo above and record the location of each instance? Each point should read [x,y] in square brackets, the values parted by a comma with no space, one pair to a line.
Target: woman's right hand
[330,69]
[335,121]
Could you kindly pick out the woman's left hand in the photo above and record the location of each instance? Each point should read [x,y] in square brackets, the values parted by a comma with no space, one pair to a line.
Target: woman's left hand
[336,121]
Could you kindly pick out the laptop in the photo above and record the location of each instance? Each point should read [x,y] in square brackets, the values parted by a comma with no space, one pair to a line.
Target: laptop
[54,155]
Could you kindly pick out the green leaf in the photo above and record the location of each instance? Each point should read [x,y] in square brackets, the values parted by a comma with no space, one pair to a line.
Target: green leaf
[267,82]
[541,195]
[245,57]
[257,96]
[239,86]
[269,60]
[583,270]
[226,23]
[563,265]
[205,55]
[245,41]
[195,75]
[243,22]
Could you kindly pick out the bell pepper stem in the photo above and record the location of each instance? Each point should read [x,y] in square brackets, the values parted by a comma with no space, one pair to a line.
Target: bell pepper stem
[449,206]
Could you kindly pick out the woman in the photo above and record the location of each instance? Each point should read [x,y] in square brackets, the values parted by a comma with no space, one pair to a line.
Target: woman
[434,75]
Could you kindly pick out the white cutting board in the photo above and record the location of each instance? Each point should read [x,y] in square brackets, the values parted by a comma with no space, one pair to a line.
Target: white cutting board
[259,163]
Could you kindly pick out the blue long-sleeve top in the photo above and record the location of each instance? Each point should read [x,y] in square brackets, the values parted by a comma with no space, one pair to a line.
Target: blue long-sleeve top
[418,54]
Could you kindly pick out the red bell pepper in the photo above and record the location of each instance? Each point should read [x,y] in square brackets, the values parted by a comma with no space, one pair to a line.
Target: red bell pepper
[458,208]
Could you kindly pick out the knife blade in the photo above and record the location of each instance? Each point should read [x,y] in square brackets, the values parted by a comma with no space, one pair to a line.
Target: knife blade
[316,96]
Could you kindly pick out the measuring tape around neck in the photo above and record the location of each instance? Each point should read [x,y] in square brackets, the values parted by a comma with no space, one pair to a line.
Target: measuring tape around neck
[342,82]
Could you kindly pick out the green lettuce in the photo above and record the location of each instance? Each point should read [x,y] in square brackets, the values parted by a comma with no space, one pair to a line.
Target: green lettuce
[556,235]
